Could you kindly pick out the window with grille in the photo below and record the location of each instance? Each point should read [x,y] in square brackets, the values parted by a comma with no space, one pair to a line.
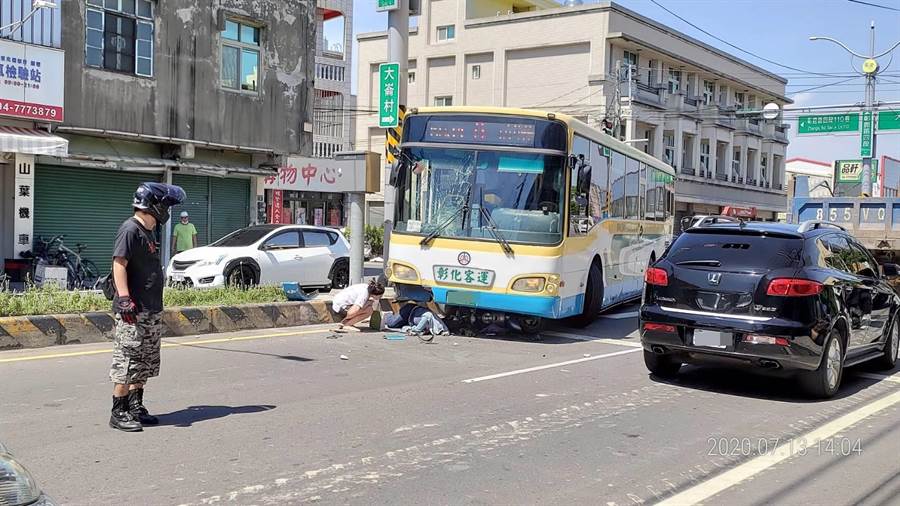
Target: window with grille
[119,36]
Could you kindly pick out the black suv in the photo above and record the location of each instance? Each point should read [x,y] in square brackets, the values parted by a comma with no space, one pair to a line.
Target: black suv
[803,300]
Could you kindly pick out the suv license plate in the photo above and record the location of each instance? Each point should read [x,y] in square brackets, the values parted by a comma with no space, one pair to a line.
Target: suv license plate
[713,339]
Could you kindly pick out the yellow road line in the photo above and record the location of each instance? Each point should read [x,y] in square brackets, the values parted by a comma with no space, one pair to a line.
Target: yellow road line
[165,345]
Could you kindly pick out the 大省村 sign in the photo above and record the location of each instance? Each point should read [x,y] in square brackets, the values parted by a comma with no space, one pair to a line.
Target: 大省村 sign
[31,81]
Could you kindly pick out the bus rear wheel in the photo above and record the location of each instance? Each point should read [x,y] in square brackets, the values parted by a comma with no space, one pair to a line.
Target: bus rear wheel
[593,298]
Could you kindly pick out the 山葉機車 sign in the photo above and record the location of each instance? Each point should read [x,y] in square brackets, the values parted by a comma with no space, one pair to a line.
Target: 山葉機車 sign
[31,81]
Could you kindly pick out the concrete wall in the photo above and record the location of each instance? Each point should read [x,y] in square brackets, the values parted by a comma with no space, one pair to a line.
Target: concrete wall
[184,98]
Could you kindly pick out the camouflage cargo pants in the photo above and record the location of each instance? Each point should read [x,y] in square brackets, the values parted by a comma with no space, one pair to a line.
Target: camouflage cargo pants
[136,349]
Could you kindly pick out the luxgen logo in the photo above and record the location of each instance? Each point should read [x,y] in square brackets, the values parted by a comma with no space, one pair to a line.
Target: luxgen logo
[714,278]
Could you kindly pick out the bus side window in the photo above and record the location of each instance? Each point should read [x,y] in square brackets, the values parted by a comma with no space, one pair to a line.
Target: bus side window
[654,198]
[599,198]
[617,185]
[632,188]
[579,222]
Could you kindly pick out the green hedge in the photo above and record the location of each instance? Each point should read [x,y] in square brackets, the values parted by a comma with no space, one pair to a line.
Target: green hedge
[41,301]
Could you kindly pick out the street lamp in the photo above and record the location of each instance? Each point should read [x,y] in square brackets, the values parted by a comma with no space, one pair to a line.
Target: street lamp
[35,7]
[870,70]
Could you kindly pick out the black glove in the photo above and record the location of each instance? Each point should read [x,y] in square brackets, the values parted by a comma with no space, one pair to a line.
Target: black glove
[125,308]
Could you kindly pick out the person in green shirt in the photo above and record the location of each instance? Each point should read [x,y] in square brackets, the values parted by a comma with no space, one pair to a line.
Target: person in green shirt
[184,236]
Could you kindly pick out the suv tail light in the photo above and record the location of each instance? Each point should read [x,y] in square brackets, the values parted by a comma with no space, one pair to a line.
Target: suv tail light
[659,327]
[656,276]
[790,287]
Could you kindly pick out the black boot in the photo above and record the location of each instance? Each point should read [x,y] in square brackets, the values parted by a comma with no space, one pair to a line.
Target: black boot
[121,419]
[137,409]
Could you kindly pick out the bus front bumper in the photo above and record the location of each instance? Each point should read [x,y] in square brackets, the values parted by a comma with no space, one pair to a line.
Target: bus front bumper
[535,305]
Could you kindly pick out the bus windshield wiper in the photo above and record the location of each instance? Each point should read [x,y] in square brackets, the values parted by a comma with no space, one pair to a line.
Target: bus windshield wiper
[493,229]
[437,232]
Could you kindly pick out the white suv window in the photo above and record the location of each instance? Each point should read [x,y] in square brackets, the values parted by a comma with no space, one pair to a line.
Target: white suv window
[284,240]
[315,239]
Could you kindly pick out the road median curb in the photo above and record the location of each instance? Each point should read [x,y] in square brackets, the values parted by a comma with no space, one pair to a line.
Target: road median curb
[18,332]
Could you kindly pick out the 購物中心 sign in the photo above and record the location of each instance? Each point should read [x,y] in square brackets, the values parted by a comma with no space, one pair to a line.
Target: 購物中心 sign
[324,175]
[31,81]
[850,171]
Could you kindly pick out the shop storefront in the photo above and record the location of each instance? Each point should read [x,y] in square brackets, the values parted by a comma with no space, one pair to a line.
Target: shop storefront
[307,208]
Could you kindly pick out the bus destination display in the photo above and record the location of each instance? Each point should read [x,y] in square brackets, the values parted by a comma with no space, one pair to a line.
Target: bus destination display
[480,132]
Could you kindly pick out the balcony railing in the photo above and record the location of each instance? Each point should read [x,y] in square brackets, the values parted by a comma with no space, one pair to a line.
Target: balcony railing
[329,72]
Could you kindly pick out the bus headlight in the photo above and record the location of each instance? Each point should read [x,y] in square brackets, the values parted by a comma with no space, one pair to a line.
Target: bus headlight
[529,284]
[405,273]
[552,284]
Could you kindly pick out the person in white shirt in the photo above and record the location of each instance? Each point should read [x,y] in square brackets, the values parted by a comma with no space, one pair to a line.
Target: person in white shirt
[356,303]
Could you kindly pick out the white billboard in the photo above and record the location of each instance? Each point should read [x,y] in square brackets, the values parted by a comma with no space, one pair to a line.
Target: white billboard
[31,81]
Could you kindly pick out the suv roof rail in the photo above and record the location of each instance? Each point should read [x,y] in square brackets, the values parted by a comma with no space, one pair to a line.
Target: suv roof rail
[808,225]
[716,218]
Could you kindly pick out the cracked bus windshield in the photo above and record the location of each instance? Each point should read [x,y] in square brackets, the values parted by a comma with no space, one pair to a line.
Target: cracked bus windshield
[460,191]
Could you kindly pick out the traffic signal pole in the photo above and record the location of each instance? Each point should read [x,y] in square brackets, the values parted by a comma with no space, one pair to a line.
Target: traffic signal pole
[398,52]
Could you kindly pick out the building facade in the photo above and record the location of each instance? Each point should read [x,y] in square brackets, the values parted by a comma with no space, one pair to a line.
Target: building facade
[207,95]
[671,95]
[331,122]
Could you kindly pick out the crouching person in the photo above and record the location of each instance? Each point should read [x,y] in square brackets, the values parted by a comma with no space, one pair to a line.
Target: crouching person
[356,303]
[138,304]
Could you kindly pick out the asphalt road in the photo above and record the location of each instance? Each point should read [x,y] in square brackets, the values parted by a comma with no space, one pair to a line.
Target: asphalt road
[277,417]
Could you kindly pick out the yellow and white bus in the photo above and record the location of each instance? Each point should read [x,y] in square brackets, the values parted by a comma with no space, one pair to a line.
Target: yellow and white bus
[524,213]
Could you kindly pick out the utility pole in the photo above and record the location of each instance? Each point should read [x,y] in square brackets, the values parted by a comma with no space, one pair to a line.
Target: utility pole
[398,52]
[870,70]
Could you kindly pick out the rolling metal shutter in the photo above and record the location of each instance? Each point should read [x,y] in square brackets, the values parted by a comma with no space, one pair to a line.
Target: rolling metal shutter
[218,206]
[197,204]
[87,205]
[231,206]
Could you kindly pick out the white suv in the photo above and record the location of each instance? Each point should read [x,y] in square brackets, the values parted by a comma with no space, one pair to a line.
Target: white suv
[314,257]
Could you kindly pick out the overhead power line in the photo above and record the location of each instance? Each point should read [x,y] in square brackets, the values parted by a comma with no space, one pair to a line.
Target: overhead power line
[870,4]
[773,62]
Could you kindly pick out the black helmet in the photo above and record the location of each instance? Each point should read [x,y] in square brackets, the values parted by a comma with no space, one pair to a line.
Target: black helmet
[157,198]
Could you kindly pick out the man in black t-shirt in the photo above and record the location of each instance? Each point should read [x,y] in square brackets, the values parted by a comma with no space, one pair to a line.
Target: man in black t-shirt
[139,279]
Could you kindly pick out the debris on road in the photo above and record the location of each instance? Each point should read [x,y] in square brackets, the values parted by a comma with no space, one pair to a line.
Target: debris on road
[345,357]
[395,337]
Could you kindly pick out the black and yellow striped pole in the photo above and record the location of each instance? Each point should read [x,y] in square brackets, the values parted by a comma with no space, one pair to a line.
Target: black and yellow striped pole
[393,136]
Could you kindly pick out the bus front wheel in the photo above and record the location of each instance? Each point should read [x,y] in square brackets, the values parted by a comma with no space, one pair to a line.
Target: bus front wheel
[593,298]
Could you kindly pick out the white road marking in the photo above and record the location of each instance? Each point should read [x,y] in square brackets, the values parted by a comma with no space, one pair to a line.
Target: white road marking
[621,316]
[894,378]
[603,340]
[747,470]
[548,366]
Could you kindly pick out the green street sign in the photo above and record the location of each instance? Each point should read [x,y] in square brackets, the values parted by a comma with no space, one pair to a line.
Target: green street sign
[865,145]
[389,92]
[889,120]
[828,123]
[387,5]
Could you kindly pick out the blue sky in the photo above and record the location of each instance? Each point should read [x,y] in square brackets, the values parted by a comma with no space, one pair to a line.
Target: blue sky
[778,30]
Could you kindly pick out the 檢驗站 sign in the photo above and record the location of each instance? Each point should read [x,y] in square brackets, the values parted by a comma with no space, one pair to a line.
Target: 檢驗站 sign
[31,81]
[865,145]
[389,93]
[828,123]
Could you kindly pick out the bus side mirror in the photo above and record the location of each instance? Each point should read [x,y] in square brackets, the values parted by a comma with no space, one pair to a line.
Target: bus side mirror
[584,179]
[396,168]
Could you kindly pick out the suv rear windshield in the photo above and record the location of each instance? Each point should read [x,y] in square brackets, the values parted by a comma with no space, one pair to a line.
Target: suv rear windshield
[735,250]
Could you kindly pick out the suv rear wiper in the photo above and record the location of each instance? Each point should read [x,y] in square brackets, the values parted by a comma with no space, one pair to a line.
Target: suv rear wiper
[706,263]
